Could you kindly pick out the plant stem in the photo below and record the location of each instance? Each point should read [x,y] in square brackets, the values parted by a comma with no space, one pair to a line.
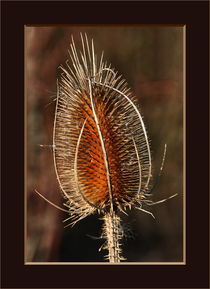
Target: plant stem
[113,233]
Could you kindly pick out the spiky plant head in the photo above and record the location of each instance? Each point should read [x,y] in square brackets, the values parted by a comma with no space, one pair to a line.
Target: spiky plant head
[101,149]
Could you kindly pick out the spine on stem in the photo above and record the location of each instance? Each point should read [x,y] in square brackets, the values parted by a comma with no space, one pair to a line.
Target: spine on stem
[112,232]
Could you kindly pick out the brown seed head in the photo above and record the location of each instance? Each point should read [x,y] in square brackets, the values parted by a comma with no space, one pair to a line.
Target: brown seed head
[101,150]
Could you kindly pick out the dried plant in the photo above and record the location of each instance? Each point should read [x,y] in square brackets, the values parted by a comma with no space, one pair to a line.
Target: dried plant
[101,150]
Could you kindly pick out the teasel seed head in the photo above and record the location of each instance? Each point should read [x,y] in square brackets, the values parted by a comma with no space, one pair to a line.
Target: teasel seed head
[101,149]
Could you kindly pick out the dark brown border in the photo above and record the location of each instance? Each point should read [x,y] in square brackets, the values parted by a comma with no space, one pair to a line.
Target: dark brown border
[17,275]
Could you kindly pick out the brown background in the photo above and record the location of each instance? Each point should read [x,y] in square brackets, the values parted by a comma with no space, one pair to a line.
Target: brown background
[151,59]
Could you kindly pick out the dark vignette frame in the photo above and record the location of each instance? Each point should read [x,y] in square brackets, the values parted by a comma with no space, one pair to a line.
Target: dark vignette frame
[15,14]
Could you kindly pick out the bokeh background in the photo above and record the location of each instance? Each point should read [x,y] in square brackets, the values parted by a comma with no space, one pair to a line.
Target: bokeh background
[151,60]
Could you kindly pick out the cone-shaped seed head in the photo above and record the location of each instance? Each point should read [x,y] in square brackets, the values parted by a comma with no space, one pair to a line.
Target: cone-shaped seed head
[101,150]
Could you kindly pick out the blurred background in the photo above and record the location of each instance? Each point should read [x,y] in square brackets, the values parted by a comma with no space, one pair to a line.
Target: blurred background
[151,60]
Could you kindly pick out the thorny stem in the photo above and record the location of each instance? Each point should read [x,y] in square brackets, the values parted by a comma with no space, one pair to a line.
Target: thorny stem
[113,233]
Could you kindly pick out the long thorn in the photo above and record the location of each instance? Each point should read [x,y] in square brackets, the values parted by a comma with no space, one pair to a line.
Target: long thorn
[51,202]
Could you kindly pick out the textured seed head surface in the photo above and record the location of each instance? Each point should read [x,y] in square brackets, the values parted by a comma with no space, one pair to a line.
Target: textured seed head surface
[101,150]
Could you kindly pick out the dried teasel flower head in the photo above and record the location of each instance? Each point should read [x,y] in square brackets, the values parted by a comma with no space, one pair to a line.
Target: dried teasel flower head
[101,149]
